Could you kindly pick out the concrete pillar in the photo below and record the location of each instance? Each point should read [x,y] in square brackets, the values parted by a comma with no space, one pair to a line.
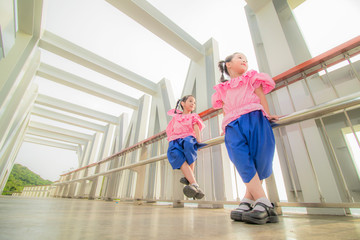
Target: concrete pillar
[85,154]
[140,176]
[161,102]
[275,33]
[82,185]
[107,142]
[203,74]
[11,104]
[114,178]
[135,133]
[105,150]
[93,151]
[13,140]
[73,185]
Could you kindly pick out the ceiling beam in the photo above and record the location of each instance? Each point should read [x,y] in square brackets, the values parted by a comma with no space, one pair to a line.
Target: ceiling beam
[45,113]
[50,143]
[58,130]
[81,84]
[156,22]
[55,136]
[75,53]
[76,109]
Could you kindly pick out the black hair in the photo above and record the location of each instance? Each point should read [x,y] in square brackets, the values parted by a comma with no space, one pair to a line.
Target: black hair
[223,68]
[183,99]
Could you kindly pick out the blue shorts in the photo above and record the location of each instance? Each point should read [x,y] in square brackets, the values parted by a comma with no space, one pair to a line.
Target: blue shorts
[251,145]
[183,149]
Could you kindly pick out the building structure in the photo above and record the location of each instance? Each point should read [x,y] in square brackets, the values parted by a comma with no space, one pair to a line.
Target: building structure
[317,165]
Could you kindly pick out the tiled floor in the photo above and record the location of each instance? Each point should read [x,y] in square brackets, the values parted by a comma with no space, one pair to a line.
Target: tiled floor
[40,218]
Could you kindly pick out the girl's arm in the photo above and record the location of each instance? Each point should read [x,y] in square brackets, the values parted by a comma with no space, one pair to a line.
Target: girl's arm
[223,108]
[197,133]
[260,93]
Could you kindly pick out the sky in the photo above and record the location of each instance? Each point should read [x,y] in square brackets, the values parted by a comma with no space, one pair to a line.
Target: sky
[100,28]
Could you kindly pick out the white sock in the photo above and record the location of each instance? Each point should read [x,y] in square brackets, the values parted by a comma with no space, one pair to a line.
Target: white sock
[195,184]
[245,207]
[263,200]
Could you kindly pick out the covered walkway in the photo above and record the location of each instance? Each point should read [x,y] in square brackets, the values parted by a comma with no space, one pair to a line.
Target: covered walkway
[123,157]
[54,218]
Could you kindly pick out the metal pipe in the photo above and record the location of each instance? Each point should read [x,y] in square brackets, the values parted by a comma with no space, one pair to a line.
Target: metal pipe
[322,199]
[352,127]
[306,114]
[319,110]
[327,75]
[288,166]
[308,87]
[333,154]
[346,55]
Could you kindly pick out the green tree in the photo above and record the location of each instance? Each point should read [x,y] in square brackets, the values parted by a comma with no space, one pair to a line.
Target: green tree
[20,177]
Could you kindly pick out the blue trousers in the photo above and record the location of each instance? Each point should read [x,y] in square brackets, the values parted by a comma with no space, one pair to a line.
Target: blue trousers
[250,144]
[183,149]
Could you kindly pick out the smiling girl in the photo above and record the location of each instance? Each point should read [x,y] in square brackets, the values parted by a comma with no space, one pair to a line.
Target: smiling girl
[249,138]
[183,134]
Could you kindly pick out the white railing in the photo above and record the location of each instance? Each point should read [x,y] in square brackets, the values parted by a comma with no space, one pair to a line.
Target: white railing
[152,151]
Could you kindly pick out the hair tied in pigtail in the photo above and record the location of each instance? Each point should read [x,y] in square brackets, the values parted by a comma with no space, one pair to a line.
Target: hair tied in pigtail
[177,104]
[222,70]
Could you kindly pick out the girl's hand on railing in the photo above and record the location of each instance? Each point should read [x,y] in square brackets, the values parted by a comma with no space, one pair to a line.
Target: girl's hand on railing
[273,118]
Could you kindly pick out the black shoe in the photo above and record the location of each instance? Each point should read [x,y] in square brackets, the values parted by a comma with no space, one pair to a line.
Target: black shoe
[183,180]
[261,217]
[192,191]
[237,213]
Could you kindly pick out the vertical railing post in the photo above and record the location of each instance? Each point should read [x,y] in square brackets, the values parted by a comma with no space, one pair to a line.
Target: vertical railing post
[346,55]
[177,190]
[140,179]
[336,161]
[322,199]
[328,77]
[94,183]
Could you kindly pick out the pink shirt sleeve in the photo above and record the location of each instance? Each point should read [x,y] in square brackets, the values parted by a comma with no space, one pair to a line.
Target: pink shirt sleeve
[264,80]
[216,98]
[169,128]
[197,120]
[216,101]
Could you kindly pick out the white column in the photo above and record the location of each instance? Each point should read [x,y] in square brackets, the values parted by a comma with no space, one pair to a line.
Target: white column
[94,148]
[9,149]
[275,33]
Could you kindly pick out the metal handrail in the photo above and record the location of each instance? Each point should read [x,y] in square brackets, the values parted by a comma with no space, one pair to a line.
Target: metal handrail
[296,117]
[312,66]
[333,56]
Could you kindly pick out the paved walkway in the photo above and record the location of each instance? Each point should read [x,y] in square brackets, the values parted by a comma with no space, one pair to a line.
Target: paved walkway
[49,218]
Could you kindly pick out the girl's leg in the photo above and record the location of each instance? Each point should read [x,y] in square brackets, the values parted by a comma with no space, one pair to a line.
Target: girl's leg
[254,189]
[188,172]
[192,190]
[248,195]
[192,166]
[263,211]
[244,206]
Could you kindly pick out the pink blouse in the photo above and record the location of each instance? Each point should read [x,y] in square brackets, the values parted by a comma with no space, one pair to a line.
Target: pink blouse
[182,125]
[237,96]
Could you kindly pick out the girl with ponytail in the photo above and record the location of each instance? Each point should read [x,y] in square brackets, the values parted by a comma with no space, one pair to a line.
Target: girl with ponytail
[249,138]
[183,134]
